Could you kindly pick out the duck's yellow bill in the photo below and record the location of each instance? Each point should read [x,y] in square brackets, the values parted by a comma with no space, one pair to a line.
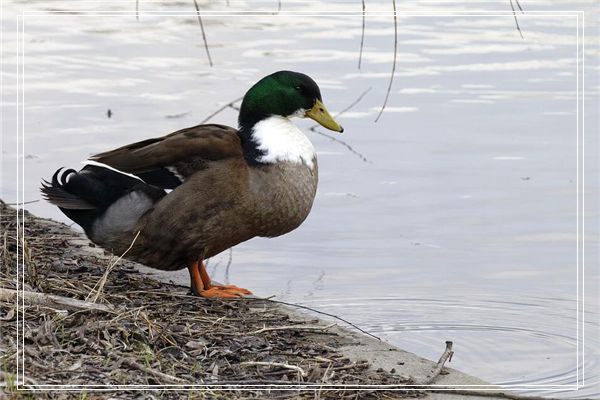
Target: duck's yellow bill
[320,114]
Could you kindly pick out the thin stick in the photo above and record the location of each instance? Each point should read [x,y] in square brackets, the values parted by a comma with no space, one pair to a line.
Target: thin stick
[519,5]
[228,265]
[247,384]
[515,16]
[230,104]
[51,300]
[23,203]
[137,10]
[102,281]
[446,356]
[290,327]
[274,364]
[313,310]
[349,107]
[335,139]
[203,33]
[148,370]
[325,378]
[389,89]
[362,35]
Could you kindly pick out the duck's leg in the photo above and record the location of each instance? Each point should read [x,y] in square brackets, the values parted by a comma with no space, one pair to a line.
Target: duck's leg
[202,286]
[196,283]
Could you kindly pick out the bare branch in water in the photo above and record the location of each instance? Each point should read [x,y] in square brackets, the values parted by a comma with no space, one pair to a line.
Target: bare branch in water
[333,138]
[203,33]
[355,102]
[230,104]
[519,5]
[362,35]
[446,356]
[214,267]
[512,6]
[228,265]
[137,9]
[389,89]
[278,5]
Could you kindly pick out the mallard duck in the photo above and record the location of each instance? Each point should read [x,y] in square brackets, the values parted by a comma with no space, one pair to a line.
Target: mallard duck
[196,192]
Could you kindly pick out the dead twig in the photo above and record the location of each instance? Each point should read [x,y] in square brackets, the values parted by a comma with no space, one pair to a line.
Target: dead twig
[4,249]
[335,139]
[362,35]
[317,328]
[98,287]
[203,33]
[230,104]
[316,311]
[446,356]
[22,203]
[389,89]
[348,107]
[275,364]
[519,5]
[151,371]
[515,16]
[51,300]
[346,145]
[229,261]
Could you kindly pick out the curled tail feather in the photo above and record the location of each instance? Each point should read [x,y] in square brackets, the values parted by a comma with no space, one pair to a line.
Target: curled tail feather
[84,196]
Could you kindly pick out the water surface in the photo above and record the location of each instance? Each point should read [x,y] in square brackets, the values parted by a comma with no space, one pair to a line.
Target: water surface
[461,224]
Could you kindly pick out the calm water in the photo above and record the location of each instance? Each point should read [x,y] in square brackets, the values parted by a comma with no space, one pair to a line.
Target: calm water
[463,223]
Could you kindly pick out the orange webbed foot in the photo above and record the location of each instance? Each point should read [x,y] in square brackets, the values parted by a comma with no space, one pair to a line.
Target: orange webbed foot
[224,292]
[201,284]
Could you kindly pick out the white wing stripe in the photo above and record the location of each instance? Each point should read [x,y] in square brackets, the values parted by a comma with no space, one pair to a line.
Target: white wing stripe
[99,164]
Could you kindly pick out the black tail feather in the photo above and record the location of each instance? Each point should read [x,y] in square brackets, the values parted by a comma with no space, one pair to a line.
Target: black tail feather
[85,195]
[56,193]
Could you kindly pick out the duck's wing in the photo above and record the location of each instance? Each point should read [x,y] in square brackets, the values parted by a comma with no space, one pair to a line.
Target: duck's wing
[168,161]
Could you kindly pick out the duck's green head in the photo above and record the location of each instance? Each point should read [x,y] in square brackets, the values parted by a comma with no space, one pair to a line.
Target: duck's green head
[287,94]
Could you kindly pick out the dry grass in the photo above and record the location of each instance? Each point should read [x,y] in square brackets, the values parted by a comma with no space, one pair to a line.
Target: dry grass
[156,332]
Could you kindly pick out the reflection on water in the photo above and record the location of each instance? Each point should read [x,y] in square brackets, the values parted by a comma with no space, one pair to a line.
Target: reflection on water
[461,224]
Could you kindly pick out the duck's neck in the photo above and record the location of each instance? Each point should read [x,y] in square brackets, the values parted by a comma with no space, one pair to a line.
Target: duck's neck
[276,139]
